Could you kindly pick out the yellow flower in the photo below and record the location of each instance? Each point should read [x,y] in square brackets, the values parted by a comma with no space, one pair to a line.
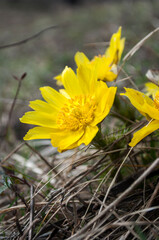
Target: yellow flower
[70,118]
[106,64]
[151,89]
[148,108]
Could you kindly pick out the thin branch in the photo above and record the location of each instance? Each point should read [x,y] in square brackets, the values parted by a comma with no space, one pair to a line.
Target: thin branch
[14,102]
[15,44]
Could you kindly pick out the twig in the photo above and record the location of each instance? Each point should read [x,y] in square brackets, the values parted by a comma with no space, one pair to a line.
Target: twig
[13,103]
[51,166]
[28,39]
[12,152]
[42,158]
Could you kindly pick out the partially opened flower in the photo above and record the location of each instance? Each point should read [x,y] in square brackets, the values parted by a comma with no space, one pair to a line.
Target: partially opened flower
[148,108]
[70,118]
[106,64]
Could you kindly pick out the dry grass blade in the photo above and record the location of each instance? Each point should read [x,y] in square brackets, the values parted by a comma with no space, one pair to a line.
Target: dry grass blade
[79,235]
[138,45]
[31,212]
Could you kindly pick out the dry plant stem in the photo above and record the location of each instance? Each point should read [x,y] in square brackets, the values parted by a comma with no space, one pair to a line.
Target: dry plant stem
[27,230]
[147,206]
[12,152]
[51,179]
[118,200]
[85,185]
[138,45]
[122,117]
[135,49]
[46,223]
[14,102]
[42,158]
[97,189]
[126,134]
[112,183]
[87,172]
[28,39]
[94,178]
[31,212]
[46,162]
[98,153]
[109,225]
[130,80]
[41,182]
[9,209]
[145,210]
[123,79]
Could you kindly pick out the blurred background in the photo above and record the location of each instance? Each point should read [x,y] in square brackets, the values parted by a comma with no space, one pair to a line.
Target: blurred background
[79,26]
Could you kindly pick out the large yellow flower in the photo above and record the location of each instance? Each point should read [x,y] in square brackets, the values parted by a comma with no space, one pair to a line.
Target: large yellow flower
[148,108]
[106,64]
[70,118]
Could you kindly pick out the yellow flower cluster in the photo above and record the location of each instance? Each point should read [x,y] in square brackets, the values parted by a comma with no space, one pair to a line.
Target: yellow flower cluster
[69,117]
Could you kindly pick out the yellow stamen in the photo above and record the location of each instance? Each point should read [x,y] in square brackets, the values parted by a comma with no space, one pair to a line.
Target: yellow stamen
[77,113]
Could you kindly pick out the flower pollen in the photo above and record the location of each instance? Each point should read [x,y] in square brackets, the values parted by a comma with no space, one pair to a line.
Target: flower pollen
[77,113]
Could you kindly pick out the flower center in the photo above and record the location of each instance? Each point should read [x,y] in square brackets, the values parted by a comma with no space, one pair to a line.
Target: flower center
[77,113]
[156,100]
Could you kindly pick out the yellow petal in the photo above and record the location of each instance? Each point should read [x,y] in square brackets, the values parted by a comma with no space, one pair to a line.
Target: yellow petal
[81,58]
[40,118]
[143,132]
[151,89]
[71,83]
[89,134]
[105,101]
[59,79]
[39,105]
[103,69]
[116,47]
[53,97]
[87,78]
[63,139]
[143,103]
[136,98]
[64,93]
[38,133]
